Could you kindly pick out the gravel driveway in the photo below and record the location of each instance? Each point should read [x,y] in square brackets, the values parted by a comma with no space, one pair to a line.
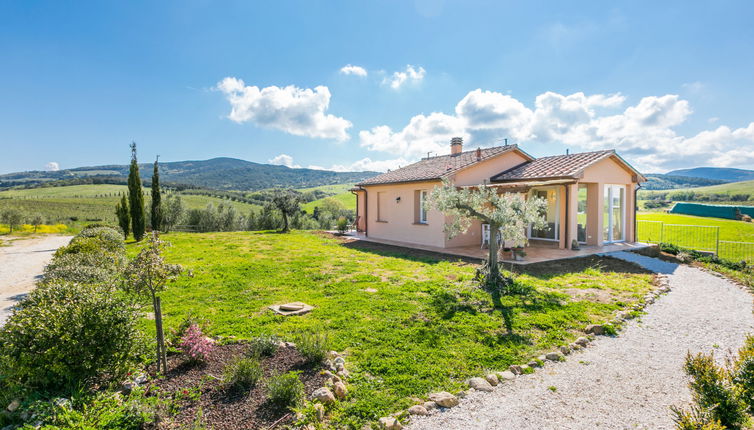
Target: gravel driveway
[21,262]
[625,382]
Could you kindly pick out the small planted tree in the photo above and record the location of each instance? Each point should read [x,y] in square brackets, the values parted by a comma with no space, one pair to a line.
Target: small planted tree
[123,215]
[508,216]
[287,202]
[172,212]
[147,275]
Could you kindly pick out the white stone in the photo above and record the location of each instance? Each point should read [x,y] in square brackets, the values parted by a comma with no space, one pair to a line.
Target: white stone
[390,423]
[492,379]
[324,395]
[506,375]
[418,410]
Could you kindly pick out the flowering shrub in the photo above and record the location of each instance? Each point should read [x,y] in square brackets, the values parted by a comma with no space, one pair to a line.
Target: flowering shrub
[195,345]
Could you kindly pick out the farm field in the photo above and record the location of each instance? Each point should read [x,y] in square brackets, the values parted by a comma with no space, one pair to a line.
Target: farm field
[81,203]
[409,323]
[347,199]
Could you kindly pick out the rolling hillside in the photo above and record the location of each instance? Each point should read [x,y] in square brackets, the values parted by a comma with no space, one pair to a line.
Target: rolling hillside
[659,181]
[217,173]
[734,192]
[720,173]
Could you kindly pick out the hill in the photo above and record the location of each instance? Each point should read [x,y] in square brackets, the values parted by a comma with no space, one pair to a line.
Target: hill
[659,181]
[721,173]
[218,173]
[734,192]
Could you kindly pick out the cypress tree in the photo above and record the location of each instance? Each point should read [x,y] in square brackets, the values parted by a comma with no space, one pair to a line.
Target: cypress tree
[124,218]
[156,198]
[135,197]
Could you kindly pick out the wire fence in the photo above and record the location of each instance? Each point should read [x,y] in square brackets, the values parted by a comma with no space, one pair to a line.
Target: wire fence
[698,237]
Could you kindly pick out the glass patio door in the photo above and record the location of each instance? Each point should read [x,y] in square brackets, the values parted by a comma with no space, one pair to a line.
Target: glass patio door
[614,214]
[551,231]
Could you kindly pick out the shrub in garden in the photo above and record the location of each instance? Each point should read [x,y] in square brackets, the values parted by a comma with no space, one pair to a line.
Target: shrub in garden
[286,390]
[85,268]
[713,390]
[68,335]
[695,419]
[265,345]
[313,346]
[195,345]
[342,225]
[242,374]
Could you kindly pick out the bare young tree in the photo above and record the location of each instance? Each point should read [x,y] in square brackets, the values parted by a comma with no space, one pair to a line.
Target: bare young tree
[147,275]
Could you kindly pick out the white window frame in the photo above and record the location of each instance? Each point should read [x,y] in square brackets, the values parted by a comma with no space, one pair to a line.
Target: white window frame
[423,194]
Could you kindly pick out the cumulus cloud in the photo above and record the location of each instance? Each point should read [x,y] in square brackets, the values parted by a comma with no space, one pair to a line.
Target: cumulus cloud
[297,111]
[411,74]
[52,166]
[367,164]
[643,132]
[283,160]
[350,69]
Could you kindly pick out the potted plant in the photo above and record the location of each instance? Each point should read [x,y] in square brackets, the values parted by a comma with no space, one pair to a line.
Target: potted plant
[575,245]
[519,253]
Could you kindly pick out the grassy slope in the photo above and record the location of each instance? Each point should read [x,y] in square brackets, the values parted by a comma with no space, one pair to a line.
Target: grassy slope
[425,328]
[348,200]
[334,189]
[732,188]
[89,202]
[732,230]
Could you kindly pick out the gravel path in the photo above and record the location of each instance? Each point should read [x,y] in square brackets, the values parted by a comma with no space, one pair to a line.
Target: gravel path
[21,262]
[625,382]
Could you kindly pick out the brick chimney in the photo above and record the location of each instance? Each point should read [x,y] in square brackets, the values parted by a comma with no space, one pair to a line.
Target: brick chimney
[456,145]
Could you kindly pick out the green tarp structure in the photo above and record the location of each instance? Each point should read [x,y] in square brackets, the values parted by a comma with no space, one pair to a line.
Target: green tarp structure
[715,211]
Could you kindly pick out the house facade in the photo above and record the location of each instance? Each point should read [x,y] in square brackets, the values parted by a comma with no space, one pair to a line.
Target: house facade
[591,196]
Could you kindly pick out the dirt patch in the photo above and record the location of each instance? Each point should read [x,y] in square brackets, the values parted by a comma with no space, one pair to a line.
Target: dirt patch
[590,294]
[548,269]
[196,388]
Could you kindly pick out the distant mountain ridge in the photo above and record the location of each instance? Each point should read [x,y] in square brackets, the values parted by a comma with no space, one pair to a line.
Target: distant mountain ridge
[222,173]
[726,174]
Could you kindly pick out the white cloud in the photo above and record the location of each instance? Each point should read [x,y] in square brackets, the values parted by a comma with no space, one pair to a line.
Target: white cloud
[283,160]
[644,133]
[297,111]
[367,164]
[412,75]
[349,69]
[52,166]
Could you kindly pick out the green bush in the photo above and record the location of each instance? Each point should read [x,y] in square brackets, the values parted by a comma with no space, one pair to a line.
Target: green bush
[67,335]
[286,390]
[695,419]
[86,267]
[743,372]
[313,346]
[713,391]
[342,225]
[95,240]
[265,345]
[242,374]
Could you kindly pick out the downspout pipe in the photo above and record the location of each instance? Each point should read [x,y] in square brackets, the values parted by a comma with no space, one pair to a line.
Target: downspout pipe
[636,211]
[567,209]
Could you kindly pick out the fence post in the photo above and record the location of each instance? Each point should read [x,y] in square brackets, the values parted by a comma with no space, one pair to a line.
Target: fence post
[662,231]
[717,243]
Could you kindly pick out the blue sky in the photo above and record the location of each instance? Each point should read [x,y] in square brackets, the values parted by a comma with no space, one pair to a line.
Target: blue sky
[668,84]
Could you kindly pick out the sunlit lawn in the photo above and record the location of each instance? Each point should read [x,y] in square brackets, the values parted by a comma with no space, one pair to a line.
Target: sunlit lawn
[409,324]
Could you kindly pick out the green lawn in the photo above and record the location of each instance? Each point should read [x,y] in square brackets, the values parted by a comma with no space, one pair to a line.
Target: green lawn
[410,324]
[332,189]
[732,230]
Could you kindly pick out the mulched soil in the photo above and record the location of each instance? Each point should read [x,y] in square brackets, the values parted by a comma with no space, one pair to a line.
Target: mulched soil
[224,409]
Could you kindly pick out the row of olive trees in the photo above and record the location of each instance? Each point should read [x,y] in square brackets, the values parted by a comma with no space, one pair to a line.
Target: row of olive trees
[14,218]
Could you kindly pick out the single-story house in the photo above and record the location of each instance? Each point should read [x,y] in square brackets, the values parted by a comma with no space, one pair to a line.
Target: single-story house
[591,196]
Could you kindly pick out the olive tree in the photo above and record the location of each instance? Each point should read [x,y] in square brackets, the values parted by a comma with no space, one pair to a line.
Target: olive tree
[147,275]
[288,203]
[508,215]
[12,217]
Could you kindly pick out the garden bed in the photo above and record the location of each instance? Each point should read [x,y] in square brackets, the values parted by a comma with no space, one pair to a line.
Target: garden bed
[199,396]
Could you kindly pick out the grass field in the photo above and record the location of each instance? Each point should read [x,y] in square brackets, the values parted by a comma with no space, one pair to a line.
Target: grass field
[332,189]
[732,230]
[410,324]
[347,199]
[86,203]
[746,187]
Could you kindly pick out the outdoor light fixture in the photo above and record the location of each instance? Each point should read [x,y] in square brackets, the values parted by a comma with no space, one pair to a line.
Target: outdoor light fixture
[397,199]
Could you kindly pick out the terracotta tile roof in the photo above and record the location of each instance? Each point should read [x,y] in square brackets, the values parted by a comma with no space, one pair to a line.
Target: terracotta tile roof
[557,166]
[439,167]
